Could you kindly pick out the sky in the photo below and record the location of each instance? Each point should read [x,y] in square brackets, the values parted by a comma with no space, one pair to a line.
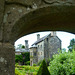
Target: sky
[65,37]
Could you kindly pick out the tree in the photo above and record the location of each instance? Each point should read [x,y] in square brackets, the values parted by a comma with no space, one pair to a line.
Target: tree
[20,46]
[72,45]
[23,46]
[18,58]
[63,64]
[43,70]
[23,58]
[63,50]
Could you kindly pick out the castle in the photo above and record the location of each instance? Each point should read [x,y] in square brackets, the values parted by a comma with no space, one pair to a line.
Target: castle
[44,48]
[18,51]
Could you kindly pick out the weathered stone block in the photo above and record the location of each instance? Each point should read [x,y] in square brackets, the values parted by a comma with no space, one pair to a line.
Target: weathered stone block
[1,16]
[25,2]
[7,62]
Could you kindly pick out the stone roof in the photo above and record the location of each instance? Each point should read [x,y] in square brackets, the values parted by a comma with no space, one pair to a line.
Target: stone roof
[41,39]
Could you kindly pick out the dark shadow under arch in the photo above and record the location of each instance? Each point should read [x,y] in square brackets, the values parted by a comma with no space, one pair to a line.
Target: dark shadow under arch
[49,18]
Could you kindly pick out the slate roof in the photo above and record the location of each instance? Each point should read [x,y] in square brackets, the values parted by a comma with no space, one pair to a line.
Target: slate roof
[41,39]
[21,50]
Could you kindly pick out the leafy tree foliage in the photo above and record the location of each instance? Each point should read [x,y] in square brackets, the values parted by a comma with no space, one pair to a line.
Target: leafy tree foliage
[18,58]
[20,46]
[27,56]
[63,64]
[23,46]
[63,50]
[72,45]
[43,70]
[23,58]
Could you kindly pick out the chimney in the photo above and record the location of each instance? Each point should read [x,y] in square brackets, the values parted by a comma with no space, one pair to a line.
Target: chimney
[38,36]
[26,45]
[53,33]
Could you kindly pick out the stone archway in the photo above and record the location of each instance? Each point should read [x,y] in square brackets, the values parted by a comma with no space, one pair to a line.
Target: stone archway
[58,18]
[19,18]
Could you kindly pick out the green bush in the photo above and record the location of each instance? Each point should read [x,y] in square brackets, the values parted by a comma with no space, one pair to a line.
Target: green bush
[17,72]
[19,58]
[34,64]
[27,56]
[27,63]
[23,70]
[39,63]
[43,70]
[63,64]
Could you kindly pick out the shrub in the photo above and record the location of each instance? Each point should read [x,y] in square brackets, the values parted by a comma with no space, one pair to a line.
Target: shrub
[34,64]
[43,70]
[27,56]
[19,58]
[27,63]
[23,70]
[63,64]
[17,72]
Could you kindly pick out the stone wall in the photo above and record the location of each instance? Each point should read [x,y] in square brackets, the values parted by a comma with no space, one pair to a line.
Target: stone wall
[54,45]
[2,10]
[40,48]
[33,56]
[7,59]
[46,49]
[51,46]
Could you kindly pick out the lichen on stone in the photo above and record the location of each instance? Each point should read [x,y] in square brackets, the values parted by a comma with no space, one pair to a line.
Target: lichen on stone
[3,60]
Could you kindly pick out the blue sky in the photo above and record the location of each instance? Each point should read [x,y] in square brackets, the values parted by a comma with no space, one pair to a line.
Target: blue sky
[64,36]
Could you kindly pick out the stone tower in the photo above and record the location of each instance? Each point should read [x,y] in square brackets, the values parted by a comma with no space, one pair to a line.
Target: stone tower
[26,45]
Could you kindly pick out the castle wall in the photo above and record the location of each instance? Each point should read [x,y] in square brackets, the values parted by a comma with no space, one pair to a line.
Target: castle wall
[54,44]
[33,56]
[46,49]
[40,47]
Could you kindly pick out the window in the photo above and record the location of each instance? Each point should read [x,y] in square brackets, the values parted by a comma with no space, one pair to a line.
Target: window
[35,53]
[41,46]
[31,53]
[38,45]
[41,53]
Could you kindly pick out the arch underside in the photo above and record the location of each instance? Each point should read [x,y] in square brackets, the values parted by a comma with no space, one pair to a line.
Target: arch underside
[48,18]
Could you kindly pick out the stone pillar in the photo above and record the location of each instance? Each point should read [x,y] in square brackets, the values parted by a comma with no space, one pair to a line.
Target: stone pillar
[7,55]
[38,37]
[7,59]
[2,2]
